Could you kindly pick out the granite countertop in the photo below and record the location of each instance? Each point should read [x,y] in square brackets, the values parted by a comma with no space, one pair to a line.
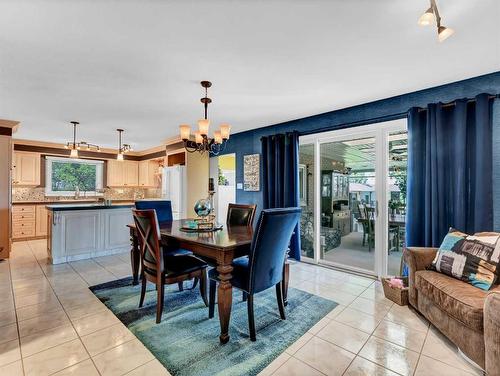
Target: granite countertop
[95,206]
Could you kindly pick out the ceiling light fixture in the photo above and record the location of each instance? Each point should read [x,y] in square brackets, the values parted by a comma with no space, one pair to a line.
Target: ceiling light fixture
[122,148]
[430,16]
[202,143]
[82,145]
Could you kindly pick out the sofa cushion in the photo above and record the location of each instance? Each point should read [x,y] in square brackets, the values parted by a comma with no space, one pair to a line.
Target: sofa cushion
[460,300]
[474,259]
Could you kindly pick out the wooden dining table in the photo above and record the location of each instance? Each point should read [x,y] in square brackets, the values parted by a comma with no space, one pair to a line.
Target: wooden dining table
[218,248]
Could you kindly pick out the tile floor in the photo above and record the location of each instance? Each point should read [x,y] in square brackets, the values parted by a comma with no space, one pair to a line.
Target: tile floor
[51,324]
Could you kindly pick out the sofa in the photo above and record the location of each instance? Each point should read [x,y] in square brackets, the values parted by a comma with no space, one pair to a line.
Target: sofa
[467,315]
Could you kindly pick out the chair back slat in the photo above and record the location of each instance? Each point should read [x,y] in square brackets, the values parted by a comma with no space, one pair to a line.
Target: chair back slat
[146,223]
[240,215]
[163,208]
[269,246]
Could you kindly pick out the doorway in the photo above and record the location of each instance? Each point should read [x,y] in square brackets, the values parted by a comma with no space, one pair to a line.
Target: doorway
[223,171]
[353,196]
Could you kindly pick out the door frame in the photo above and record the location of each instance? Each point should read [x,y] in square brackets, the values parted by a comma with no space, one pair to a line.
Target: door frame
[380,132]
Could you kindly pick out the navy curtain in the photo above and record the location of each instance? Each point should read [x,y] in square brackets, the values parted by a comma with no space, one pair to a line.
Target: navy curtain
[449,170]
[280,177]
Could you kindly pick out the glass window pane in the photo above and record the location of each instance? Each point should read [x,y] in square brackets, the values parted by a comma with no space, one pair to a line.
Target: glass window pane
[306,193]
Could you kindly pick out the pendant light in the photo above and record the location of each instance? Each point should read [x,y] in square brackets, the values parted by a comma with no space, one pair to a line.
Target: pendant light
[122,148]
[74,146]
[431,16]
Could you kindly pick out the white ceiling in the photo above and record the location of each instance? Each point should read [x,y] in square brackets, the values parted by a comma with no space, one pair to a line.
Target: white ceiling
[137,64]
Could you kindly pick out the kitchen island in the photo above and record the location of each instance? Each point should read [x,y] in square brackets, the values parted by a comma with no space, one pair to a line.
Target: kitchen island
[78,232]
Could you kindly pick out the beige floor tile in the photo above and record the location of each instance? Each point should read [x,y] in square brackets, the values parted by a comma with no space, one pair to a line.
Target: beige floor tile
[152,368]
[359,320]
[122,359]
[85,368]
[107,338]
[9,352]
[7,317]
[43,322]
[46,297]
[438,347]
[7,305]
[319,325]
[374,294]
[43,340]
[428,366]
[95,322]
[73,299]
[295,367]
[401,335]
[350,288]
[337,296]
[375,308]
[275,364]
[348,338]
[407,316]
[389,355]
[38,310]
[89,308]
[299,343]
[12,369]
[325,356]
[336,311]
[55,359]
[8,333]
[363,367]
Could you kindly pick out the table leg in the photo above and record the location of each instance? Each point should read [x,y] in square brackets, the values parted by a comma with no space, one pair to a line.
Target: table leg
[224,300]
[135,257]
[286,277]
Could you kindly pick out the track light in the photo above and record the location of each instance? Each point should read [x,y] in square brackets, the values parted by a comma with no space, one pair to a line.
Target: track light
[430,16]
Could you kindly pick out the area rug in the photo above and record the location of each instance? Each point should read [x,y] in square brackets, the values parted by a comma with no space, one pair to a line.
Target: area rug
[186,342]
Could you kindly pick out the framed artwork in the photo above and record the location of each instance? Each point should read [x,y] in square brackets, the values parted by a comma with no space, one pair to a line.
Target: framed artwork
[251,172]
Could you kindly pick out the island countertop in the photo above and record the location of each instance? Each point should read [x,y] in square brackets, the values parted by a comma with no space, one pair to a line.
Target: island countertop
[68,207]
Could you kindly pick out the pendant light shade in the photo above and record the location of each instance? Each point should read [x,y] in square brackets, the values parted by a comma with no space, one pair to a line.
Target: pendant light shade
[74,146]
[73,153]
[444,33]
[122,148]
[427,18]
[203,125]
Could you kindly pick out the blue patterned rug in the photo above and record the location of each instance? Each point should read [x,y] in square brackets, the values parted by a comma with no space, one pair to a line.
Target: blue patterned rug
[186,342]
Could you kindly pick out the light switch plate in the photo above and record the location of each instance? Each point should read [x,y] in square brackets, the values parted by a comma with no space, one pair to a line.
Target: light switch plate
[239,185]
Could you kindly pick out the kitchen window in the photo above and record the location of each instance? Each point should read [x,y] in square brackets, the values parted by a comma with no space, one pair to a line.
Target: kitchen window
[67,177]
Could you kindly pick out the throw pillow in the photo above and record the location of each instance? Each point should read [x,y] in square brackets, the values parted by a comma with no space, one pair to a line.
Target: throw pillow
[474,259]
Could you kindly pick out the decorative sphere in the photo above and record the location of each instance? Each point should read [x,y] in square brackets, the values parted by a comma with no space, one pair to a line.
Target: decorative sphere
[203,207]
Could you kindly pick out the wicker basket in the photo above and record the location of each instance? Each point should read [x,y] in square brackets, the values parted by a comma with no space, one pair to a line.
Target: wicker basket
[398,296]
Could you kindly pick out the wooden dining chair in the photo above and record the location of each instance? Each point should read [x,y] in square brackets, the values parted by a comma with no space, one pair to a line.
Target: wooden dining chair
[163,209]
[160,267]
[263,268]
[240,214]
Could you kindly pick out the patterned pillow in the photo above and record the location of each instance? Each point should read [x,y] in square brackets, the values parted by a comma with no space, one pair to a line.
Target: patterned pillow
[474,259]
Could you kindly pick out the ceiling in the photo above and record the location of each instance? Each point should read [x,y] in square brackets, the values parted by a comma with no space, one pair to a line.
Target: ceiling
[137,64]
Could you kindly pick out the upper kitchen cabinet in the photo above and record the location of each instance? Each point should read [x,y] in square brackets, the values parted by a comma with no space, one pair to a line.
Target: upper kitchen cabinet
[25,168]
[123,173]
[147,170]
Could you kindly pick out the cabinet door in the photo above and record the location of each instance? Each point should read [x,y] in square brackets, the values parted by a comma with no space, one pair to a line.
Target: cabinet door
[41,220]
[147,174]
[115,173]
[26,168]
[131,173]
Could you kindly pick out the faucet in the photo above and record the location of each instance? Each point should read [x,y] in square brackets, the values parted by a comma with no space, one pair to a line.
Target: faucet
[77,192]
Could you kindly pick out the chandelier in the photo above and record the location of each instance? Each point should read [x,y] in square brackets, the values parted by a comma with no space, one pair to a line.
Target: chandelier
[122,148]
[202,143]
[75,146]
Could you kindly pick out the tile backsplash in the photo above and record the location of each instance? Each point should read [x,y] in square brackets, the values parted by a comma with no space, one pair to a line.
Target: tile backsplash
[20,194]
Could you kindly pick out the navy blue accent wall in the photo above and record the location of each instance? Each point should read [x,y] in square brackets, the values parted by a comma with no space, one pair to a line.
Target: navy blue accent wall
[386,109]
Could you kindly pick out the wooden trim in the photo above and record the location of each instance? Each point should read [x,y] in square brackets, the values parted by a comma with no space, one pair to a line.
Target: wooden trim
[158,154]
[54,145]
[65,152]
[5,131]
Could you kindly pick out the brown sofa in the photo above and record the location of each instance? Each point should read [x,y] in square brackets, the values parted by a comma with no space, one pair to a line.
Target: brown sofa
[468,316]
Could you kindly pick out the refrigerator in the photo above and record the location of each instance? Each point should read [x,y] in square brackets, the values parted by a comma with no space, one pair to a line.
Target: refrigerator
[173,188]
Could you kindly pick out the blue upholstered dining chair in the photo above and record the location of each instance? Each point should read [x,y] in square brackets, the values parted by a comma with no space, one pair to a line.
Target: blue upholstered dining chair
[263,268]
[163,209]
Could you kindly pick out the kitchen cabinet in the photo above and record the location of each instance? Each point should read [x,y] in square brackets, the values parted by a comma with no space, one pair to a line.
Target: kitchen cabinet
[25,168]
[147,171]
[41,220]
[123,173]
[23,221]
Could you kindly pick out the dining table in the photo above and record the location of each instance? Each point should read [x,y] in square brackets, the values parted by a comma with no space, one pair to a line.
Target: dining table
[218,248]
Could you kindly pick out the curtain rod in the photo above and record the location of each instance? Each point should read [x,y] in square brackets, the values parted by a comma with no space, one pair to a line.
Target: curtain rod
[472,100]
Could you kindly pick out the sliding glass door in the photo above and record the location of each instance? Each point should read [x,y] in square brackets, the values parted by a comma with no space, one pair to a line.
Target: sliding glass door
[348,179]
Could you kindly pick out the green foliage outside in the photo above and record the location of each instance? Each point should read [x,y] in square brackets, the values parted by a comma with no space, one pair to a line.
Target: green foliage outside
[68,176]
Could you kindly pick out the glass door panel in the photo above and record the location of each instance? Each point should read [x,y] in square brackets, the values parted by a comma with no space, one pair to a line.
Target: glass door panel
[396,196]
[306,196]
[348,203]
